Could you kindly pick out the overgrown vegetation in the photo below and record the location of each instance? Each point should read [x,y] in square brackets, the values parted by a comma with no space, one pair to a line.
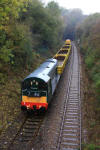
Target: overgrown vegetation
[88,38]
[27,27]
[91,147]
[89,35]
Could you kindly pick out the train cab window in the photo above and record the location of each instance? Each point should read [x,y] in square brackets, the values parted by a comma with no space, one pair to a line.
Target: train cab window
[42,86]
[25,85]
[29,84]
[34,85]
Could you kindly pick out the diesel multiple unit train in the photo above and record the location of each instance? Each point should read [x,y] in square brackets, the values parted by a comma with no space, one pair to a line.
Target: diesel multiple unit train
[38,87]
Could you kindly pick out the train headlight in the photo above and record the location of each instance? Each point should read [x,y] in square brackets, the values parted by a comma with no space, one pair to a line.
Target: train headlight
[40,106]
[28,106]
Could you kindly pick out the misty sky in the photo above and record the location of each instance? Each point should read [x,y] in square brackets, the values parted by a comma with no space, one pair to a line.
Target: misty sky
[87,6]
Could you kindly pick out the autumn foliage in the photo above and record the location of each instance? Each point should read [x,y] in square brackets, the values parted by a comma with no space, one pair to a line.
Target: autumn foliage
[26,27]
[89,35]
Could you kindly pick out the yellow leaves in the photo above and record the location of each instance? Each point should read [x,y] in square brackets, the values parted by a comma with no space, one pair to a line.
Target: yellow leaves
[7,9]
[4,14]
[11,8]
[24,10]
[1,27]
[1,9]
[7,18]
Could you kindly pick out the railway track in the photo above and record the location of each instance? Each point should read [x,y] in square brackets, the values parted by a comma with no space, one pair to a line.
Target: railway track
[27,132]
[70,128]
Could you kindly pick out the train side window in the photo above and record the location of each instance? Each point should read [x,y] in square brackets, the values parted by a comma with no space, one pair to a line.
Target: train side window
[49,86]
[56,72]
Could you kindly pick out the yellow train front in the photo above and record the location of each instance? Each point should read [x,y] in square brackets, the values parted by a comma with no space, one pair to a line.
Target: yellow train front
[68,44]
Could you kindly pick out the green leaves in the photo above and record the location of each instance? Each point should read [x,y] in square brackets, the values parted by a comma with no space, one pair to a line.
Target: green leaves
[45,23]
[27,26]
[71,19]
[10,36]
[5,54]
[91,147]
[89,33]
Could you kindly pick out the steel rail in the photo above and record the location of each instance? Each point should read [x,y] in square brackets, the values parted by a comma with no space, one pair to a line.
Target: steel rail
[65,103]
[28,131]
[73,74]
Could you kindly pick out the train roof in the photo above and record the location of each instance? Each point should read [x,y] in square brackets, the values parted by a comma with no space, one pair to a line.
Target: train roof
[43,72]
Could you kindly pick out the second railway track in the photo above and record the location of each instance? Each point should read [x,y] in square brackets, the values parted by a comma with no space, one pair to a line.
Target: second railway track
[70,129]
